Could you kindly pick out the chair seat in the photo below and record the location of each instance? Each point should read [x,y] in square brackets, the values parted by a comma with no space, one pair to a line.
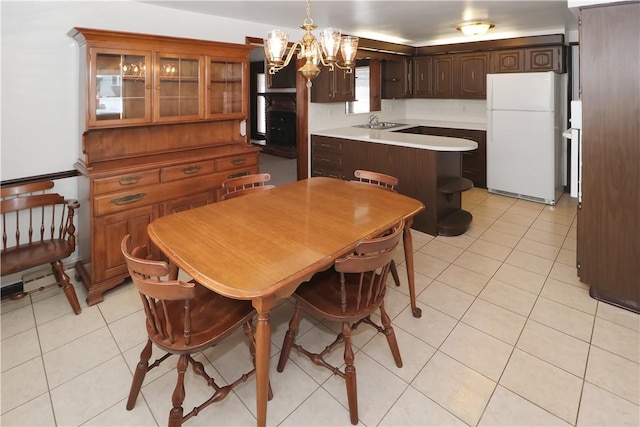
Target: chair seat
[21,257]
[322,296]
[230,314]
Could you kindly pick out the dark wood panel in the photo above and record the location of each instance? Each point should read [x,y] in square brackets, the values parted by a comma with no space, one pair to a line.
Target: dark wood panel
[609,225]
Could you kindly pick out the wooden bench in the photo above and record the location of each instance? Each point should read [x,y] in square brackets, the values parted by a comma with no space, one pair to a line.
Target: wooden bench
[37,229]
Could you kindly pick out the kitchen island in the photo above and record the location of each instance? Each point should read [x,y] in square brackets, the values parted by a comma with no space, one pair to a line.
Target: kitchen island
[429,168]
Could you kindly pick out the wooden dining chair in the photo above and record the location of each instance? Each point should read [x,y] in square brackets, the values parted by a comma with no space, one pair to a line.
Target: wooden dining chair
[348,293]
[183,318]
[385,181]
[246,184]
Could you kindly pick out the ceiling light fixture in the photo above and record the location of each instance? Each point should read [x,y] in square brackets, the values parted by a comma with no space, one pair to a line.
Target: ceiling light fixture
[324,52]
[475,28]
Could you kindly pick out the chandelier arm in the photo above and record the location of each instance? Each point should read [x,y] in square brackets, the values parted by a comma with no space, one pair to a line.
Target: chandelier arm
[348,69]
[275,68]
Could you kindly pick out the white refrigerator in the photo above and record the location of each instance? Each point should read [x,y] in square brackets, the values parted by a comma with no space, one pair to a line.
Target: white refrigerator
[525,121]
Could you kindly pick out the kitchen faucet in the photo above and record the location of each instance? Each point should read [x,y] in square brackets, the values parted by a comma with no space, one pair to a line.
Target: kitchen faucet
[373,120]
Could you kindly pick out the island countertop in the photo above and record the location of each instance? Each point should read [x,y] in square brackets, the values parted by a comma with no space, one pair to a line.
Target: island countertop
[388,136]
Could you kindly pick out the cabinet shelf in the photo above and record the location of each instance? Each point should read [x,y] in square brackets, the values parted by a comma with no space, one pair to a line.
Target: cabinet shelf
[456,185]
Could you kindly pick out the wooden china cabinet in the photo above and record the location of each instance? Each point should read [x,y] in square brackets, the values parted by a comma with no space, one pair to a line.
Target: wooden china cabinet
[162,125]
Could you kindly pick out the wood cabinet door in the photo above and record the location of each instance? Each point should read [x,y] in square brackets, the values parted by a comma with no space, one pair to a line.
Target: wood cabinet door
[508,61]
[396,79]
[422,76]
[107,261]
[542,59]
[443,76]
[472,75]
[227,88]
[608,224]
[333,86]
[179,87]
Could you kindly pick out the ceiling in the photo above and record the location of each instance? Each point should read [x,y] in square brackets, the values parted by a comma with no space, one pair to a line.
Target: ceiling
[414,23]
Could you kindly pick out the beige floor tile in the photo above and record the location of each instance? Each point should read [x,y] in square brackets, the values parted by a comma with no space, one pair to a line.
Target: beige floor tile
[482,220]
[570,243]
[132,357]
[498,202]
[567,274]
[421,282]
[415,409]
[509,228]
[477,350]
[22,383]
[124,300]
[520,278]
[559,349]
[551,227]
[69,327]
[444,251]
[537,248]
[118,416]
[16,321]
[492,250]
[54,307]
[570,295]
[447,299]
[433,327]
[442,380]
[567,257]
[508,409]
[130,331]
[414,352]
[478,263]
[614,373]
[544,236]
[545,385]
[619,316]
[462,241]
[319,409]
[601,408]
[79,356]
[475,229]
[19,348]
[464,279]
[531,211]
[419,239]
[495,321]
[374,401]
[97,389]
[11,305]
[428,265]
[556,216]
[508,297]
[563,318]
[488,211]
[516,218]
[529,262]
[36,412]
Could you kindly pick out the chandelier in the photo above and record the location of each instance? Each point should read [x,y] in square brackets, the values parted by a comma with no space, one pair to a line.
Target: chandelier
[324,52]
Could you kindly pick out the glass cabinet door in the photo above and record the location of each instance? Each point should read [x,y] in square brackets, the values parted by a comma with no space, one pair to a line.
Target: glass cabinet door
[226,95]
[120,93]
[178,88]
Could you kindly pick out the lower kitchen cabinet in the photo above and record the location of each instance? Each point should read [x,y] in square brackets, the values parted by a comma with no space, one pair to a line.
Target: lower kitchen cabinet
[124,196]
[433,177]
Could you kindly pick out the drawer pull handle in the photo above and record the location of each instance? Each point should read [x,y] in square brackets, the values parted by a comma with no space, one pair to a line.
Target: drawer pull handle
[127,200]
[235,175]
[190,169]
[241,161]
[129,180]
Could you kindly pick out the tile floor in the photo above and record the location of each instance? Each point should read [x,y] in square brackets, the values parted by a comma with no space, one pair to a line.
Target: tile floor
[508,337]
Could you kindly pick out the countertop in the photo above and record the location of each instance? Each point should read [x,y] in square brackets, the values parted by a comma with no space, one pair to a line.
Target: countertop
[425,142]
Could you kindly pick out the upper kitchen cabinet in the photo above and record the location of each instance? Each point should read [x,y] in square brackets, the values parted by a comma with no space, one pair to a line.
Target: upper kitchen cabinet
[333,86]
[422,76]
[526,60]
[471,78]
[443,77]
[396,79]
[136,79]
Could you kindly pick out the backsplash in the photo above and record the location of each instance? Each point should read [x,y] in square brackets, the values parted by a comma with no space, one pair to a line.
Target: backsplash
[327,116]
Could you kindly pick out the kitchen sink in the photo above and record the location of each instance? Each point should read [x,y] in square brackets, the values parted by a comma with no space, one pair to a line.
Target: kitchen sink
[381,125]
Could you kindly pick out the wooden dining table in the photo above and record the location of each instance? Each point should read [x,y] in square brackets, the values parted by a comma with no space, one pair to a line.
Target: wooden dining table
[260,247]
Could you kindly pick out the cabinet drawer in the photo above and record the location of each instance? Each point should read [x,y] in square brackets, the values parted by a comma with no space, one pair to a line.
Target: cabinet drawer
[326,145]
[327,172]
[187,170]
[323,160]
[125,182]
[228,163]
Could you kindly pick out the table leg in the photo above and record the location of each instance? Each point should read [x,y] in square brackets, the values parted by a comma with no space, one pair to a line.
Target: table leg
[408,257]
[263,347]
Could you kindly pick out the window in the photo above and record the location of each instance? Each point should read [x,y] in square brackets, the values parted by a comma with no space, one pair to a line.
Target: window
[361,104]
[261,103]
